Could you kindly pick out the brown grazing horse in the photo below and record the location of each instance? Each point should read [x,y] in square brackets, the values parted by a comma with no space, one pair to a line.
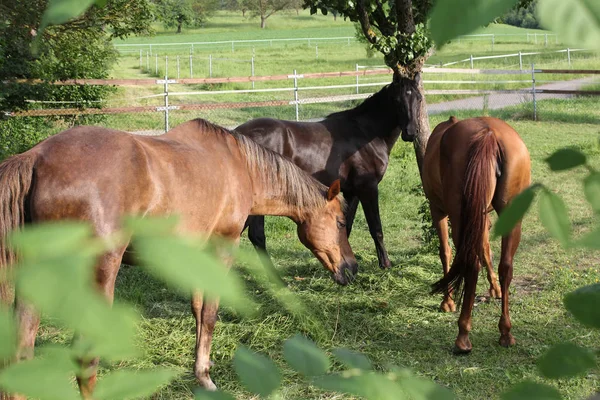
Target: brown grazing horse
[352,145]
[470,167]
[213,178]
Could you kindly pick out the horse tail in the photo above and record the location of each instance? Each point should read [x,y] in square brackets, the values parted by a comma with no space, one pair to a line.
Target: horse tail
[15,181]
[483,155]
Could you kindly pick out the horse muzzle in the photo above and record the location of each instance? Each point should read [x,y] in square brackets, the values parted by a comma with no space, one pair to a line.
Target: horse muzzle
[345,273]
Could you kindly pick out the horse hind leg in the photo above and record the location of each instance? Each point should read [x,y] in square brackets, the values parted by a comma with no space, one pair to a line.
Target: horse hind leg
[510,243]
[106,275]
[440,223]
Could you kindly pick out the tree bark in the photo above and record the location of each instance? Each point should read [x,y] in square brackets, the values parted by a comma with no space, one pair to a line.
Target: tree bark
[420,142]
[179,27]
[263,22]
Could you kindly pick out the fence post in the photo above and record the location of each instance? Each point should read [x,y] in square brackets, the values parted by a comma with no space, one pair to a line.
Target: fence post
[141,58]
[252,70]
[147,62]
[533,91]
[192,48]
[527,37]
[308,42]
[210,65]
[296,95]
[356,78]
[191,68]
[471,61]
[348,41]
[150,49]
[520,61]
[493,40]
[232,48]
[156,65]
[317,50]
[166,102]
[166,65]
[535,38]
[546,40]
[569,56]
[177,67]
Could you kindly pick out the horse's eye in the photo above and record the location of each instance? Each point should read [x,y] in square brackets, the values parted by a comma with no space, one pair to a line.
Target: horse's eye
[341,225]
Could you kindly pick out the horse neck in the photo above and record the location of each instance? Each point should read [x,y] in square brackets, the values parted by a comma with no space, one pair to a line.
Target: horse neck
[382,126]
[278,186]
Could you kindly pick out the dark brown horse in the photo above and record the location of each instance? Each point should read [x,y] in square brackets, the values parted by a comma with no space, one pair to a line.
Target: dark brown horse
[470,167]
[214,179]
[352,145]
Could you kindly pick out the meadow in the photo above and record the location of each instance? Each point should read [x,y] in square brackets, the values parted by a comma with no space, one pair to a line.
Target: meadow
[388,315]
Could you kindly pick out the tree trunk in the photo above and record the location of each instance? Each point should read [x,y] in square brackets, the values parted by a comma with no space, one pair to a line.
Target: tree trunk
[179,27]
[263,22]
[244,13]
[423,133]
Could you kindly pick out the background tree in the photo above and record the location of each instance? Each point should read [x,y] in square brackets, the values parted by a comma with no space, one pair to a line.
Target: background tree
[523,15]
[397,30]
[265,8]
[80,48]
[180,13]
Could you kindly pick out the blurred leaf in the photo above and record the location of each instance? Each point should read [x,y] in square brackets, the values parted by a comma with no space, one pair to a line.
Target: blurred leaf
[368,385]
[531,391]
[52,240]
[152,226]
[61,11]
[564,159]
[590,240]
[8,334]
[591,187]
[554,216]
[304,356]
[576,21]
[127,384]
[101,3]
[48,377]
[418,388]
[257,373]
[353,359]
[584,304]
[471,13]
[515,211]
[565,360]
[203,394]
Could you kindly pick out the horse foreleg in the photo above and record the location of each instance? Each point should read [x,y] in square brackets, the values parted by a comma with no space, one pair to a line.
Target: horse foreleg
[494,290]
[106,276]
[205,312]
[351,206]
[510,244]
[370,203]
[440,223]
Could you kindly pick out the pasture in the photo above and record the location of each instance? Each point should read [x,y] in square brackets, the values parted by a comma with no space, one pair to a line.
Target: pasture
[390,315]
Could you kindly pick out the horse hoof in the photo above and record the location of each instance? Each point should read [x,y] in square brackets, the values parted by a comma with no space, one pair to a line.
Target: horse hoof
[462,346]
[207,383]
[448,306]
[387,264]
[507,340]
[495,293]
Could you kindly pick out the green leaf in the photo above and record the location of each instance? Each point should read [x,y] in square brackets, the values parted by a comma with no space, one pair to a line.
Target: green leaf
[591,187]
[576,21]
[554,216]
[184,264]
[100,3]
[203,394]
[369,385]
[452,18]
[8,334]
[352,359]
[127,384]
[564,159]
[338,383]
[584,304]
[565,360]
[590,240]
[257,373]
[61,11]
[304,356]
[528,390]
[515,211]
[48,377]
[420,388]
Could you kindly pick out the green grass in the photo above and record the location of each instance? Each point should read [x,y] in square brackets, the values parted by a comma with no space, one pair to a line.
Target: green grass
[390,315]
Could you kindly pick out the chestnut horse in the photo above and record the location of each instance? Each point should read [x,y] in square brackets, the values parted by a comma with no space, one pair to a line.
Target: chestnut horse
[470,167]
[211,177]
[352,145]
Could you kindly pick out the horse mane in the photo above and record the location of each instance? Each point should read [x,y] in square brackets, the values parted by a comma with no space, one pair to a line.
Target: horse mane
[296,187]
[376,103]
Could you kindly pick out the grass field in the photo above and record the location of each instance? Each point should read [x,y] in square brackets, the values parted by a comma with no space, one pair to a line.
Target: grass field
[390,315]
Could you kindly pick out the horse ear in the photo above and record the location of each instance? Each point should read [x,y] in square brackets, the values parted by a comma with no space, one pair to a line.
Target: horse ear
[333,190]
[418,78]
